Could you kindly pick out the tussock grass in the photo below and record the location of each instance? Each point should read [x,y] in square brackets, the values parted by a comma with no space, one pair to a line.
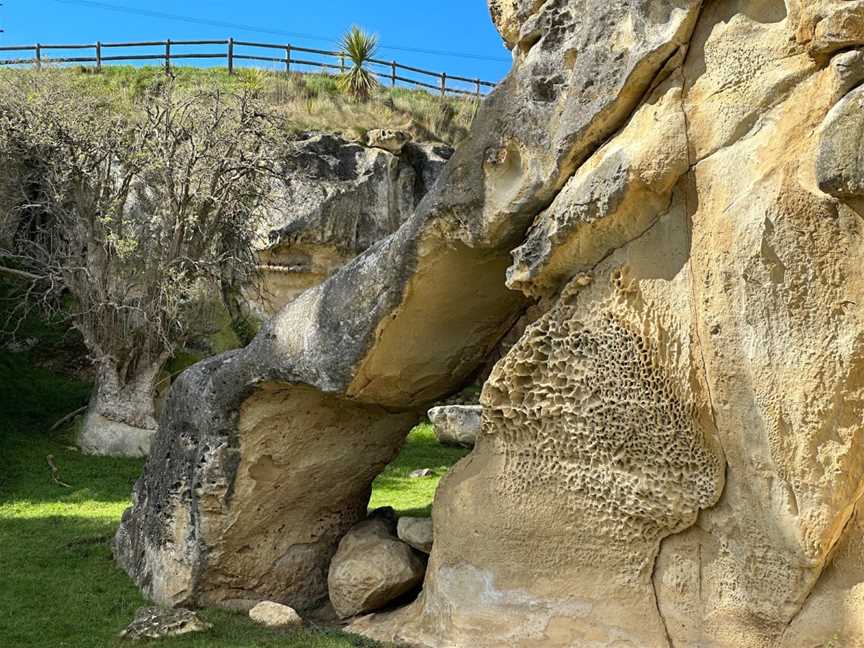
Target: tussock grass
[306,101]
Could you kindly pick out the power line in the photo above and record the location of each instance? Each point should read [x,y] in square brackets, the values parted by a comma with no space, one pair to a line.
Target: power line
[265,30]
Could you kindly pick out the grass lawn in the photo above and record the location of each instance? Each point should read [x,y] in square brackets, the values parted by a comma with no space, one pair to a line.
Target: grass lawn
[60,588]
[413,496]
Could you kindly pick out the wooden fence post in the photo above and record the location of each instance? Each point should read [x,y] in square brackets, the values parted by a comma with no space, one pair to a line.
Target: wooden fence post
[342,64]
[392,74]
[98,56]
[288,58]
[230,56]
[168,56]
[443,84]
[38,56]
[478,88]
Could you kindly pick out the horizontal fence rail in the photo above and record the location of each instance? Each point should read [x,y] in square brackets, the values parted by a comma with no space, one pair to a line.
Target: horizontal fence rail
[285,57]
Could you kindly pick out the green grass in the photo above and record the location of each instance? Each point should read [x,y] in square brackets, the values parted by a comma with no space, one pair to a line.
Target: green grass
[413,495]
[60,587]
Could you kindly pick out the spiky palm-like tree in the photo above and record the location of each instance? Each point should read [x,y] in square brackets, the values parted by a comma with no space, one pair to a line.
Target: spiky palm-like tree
[359,82]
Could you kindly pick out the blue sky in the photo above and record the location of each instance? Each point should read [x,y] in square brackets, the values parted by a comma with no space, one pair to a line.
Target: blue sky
[461,27]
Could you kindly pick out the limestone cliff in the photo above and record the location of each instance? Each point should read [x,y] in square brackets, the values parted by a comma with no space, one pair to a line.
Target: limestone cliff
[334,199]
[671,455]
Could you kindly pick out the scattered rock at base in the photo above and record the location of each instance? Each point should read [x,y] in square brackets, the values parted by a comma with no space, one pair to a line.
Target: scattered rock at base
[372,567]
[159,623]
[456,424]
[388,139]
[275,615]
[417,532]
[420,472]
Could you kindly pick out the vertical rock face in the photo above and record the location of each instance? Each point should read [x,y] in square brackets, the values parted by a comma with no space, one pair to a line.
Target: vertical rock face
[672,452]
[335,200]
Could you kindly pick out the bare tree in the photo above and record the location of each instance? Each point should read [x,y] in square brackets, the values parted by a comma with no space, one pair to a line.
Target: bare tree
[131,218]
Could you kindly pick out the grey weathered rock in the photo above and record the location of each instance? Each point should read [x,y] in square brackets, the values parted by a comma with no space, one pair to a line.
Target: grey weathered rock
[265,456]
[417,532]
[121,416]
[388,139]
[161,623]
[456,424]
[334,200]
[371,568]
[421,472]
[275,615]
[840,165]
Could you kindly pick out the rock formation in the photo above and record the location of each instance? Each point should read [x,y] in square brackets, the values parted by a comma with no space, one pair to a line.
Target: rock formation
[672,451]
[335,199]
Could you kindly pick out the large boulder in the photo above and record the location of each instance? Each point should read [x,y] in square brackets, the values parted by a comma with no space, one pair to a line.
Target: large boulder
[372,567]
[673,453]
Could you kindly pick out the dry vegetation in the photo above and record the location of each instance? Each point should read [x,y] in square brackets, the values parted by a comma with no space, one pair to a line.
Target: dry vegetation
[305,101]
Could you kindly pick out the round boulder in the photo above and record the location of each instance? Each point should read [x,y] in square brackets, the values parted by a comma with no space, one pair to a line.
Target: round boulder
[275,615]
[371,568]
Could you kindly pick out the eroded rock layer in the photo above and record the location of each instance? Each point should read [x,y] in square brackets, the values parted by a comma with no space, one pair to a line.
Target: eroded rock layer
[671,455]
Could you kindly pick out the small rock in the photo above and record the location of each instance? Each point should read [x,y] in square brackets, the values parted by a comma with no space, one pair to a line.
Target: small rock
[371,568]
[388,139]
[275,615]
[422,472]
[158,623]
[417,532]
[456,424]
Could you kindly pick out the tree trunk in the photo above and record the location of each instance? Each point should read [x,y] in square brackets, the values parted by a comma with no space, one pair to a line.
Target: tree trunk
[121,418]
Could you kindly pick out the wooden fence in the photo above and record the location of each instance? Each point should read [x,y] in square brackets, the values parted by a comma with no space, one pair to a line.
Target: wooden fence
[287,57]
